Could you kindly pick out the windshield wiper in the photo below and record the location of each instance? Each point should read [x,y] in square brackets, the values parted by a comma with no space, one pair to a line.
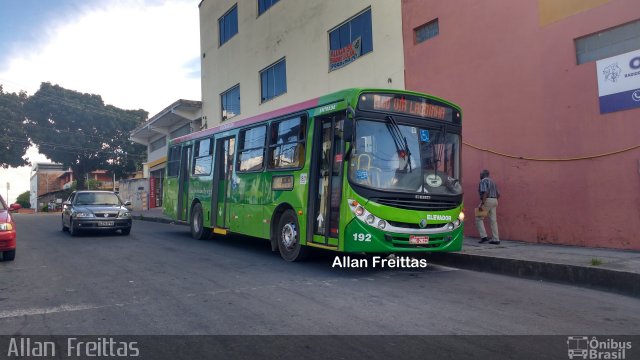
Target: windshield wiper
[399,140]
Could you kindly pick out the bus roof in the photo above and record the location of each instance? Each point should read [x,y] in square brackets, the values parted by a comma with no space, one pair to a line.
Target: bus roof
[308,104]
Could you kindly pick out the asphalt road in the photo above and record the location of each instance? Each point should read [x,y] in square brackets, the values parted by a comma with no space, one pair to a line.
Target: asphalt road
[160,281]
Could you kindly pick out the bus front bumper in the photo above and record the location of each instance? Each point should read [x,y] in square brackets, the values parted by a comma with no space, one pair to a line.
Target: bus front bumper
[359,237]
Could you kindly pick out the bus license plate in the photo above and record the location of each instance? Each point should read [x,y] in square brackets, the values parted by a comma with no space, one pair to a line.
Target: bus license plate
[418,239]
[105,223]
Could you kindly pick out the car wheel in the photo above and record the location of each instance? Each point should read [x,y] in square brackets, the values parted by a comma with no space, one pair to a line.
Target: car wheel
[9,255]
[289,238]
[198,230]
[72,228]
[64,228]
[126,231]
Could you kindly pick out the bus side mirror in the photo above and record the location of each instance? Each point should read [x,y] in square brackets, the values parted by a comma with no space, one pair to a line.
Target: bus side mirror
[347,131]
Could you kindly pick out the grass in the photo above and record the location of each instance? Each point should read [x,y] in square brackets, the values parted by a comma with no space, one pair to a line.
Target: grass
[596,262]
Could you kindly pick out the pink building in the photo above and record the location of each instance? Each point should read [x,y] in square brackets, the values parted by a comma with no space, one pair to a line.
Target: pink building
[525,75]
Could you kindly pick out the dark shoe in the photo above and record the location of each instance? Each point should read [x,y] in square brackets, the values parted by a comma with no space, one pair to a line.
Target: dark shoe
[483,240]
[495,242]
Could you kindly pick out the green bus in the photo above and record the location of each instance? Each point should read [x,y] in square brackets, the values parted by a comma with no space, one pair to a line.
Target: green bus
[356,171]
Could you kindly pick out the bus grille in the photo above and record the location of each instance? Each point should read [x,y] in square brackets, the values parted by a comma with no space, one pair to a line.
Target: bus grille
[414,225]
[411,204]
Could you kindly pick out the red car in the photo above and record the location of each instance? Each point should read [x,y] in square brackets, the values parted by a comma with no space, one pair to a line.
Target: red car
[7,233]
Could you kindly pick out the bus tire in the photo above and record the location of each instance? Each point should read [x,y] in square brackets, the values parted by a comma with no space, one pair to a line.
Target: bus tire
[288,237]
[198,230]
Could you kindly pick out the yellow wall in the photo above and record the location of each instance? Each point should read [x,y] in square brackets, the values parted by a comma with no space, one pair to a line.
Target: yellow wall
[553,10]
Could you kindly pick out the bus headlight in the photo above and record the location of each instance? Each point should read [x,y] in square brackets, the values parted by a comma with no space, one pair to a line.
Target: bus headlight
[461,216]
[370,219]
[382,224]
[359,210]
[450,226]
[456,223]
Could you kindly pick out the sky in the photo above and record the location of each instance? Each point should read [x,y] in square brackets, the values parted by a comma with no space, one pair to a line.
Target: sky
[136,54]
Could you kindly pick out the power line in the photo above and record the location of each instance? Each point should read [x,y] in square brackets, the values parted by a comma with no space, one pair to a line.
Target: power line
[553,159]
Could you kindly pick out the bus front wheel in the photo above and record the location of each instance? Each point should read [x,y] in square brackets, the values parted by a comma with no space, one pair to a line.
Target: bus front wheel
[198,231]
[289,237]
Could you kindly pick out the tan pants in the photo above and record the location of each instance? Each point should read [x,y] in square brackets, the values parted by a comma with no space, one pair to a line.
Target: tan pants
[490,204]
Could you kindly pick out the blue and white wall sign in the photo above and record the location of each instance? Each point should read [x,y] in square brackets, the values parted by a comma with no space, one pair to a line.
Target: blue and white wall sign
[619,82]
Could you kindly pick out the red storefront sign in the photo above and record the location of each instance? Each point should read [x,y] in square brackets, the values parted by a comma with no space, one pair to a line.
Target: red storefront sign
[152,192]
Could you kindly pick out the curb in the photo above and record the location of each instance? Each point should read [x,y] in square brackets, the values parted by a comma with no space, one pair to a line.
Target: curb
[621,282]
[159,220]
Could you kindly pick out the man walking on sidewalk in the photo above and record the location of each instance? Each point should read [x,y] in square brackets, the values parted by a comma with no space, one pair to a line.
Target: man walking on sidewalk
[489,196]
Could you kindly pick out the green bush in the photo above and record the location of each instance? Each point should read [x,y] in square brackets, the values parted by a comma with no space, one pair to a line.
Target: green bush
[24,200]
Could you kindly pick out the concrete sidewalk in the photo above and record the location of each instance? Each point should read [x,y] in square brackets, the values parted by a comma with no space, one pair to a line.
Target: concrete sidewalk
[604,269]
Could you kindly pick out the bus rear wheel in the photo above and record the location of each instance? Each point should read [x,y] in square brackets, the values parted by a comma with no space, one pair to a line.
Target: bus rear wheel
[198,231]
[289,238]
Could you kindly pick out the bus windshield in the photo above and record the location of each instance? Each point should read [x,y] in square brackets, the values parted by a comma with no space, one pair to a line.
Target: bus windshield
[405,158]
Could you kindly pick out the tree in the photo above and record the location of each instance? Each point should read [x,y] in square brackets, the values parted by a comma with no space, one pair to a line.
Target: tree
[24,200]
[79,131]
[13,138]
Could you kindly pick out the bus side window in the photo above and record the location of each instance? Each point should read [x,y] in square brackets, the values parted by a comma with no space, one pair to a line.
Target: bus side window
[173,163]
[286,149]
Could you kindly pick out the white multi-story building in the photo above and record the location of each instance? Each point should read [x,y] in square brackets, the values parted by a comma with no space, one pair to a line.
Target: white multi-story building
[260,55]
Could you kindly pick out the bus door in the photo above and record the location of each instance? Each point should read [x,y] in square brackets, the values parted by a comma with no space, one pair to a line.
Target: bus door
[183,183]
[325,189]
[225,150]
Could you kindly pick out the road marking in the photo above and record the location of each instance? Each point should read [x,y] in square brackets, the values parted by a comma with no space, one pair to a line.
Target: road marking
[50,310]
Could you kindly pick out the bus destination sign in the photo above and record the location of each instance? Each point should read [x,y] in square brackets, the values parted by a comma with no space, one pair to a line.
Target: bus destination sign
[405,105]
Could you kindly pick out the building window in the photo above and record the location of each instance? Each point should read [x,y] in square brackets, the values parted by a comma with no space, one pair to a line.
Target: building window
[426,31]
[273,80]
[252,149]
[264,5]
[286,143]
[157,144]
[350,40]
[230,101]
[173,161]
[228,24]
[608,43]
[181,131]
[202,160]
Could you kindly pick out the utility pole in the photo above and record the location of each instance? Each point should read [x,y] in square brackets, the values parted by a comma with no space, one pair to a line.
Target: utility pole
[8,186]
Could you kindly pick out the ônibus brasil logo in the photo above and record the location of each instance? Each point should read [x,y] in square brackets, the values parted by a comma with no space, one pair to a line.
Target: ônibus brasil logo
[581,347]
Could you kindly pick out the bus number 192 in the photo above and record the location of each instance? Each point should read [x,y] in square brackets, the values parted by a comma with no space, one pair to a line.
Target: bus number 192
[362,237]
